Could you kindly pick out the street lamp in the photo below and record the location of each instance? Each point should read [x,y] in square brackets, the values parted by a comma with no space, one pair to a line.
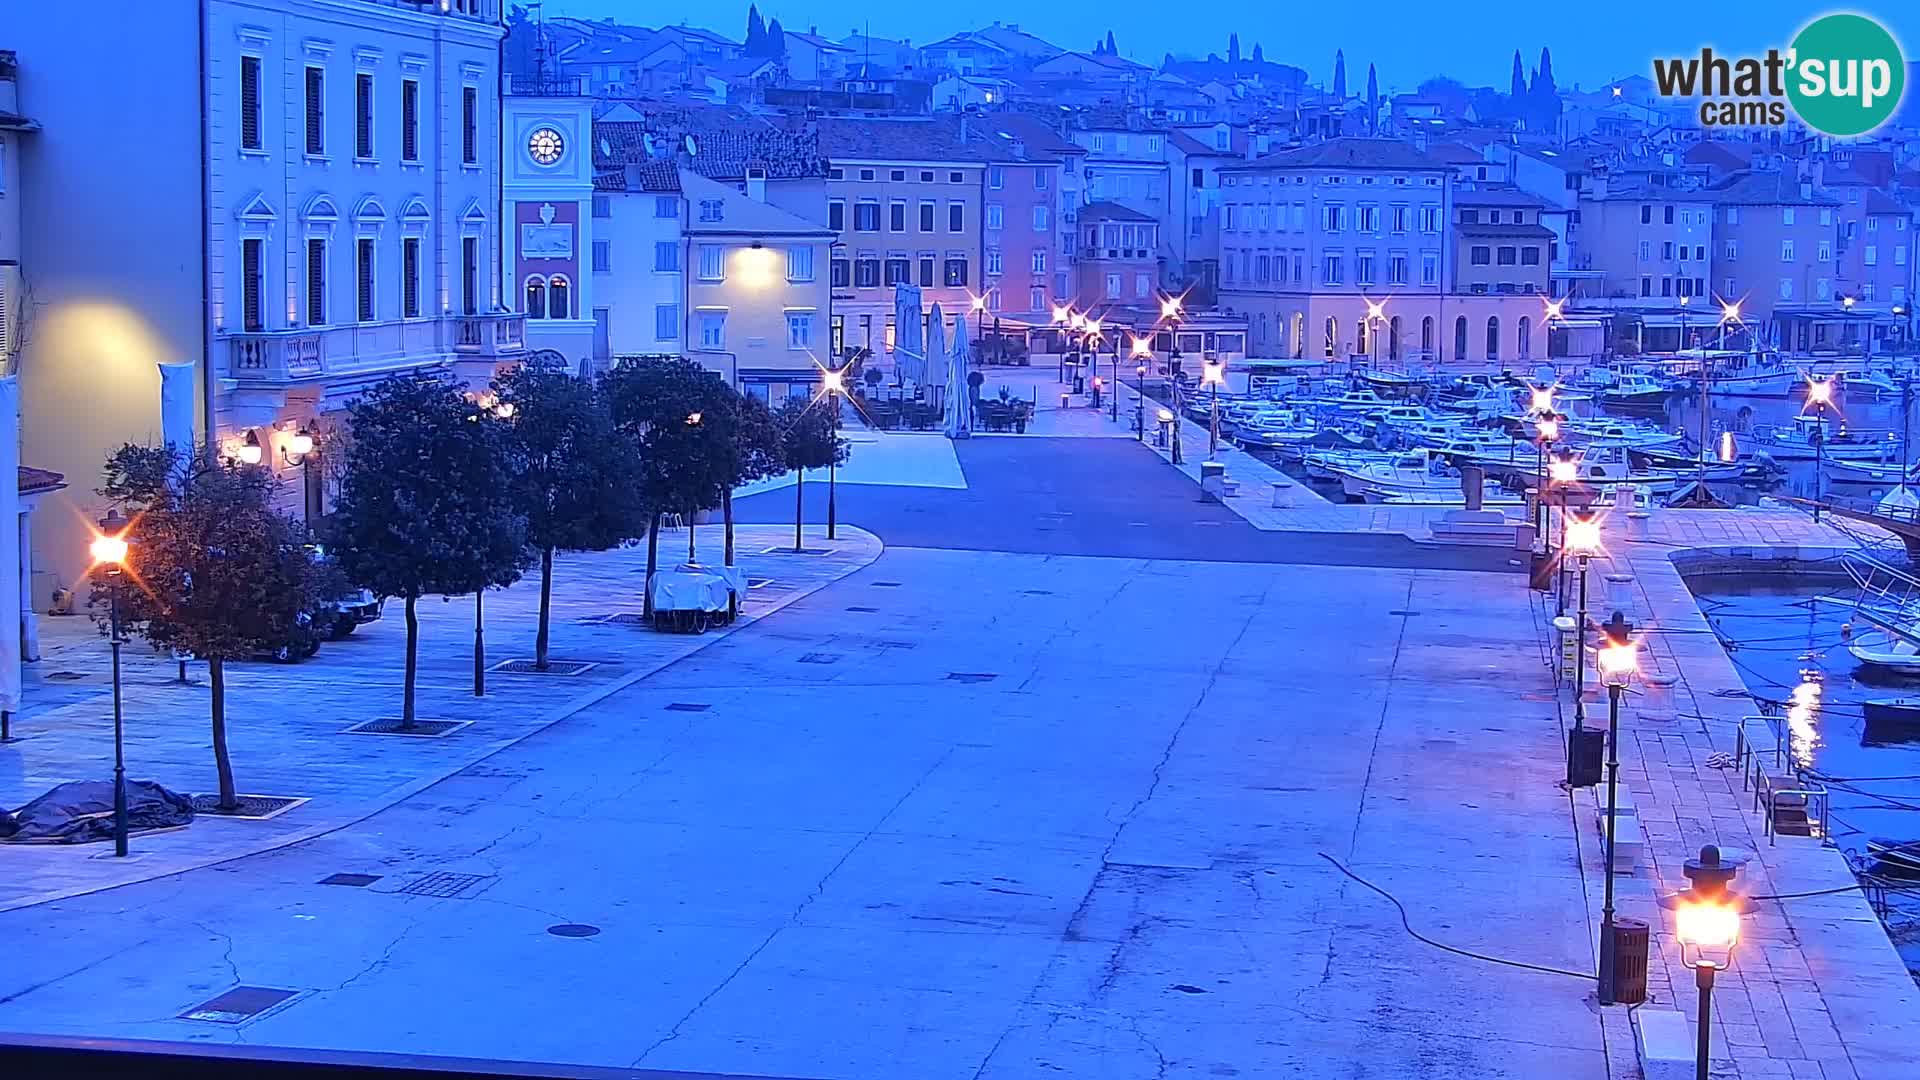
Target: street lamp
[1819,396]
[1140,401]
[300,452]
[1582,539]
[109,549]
[1618,659]
[250,450]
[1562,473]
[1706,920]
[1213,372]
[834,380]
[979,306]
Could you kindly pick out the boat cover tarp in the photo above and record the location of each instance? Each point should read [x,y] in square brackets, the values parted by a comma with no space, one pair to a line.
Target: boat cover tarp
[692,588]
[81,811]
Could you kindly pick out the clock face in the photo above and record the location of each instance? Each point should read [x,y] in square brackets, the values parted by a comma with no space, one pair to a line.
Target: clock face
[545,145]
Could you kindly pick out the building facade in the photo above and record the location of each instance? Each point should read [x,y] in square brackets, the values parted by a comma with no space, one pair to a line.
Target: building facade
[546,168]
[638,251]
[1776,234]
[1648,246]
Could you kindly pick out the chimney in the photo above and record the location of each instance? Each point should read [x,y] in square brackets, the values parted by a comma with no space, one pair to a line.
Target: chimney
[756,183]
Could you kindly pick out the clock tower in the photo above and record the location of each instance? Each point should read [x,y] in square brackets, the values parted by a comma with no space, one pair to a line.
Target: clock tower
[546,171]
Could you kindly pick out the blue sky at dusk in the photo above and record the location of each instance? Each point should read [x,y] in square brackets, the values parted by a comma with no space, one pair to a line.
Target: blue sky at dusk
[1408,39]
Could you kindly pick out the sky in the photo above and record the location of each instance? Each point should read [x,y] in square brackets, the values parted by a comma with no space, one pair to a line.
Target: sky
[1409,40]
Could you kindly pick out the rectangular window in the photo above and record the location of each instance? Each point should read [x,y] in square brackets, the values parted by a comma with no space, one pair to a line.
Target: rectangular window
[866,216]
[1786,251]
[713,210]
[899,270]
[1786,215]
[1331,272]
[1039,184]
[956,273]
[926,217]
[1505,256]
[1429,268]
[470,273]
[1039,260]
[666,322]
[799,263]
[1369,218]
[713,262]
[363,115]
[1113,286]
[363,279]
[250,102]
[1399,219]
[666,255]
[995,216]
[316,282]
[316,110]
[897,215]
[926,271]
[1334,218]
[713,329]
[666,206]
[866,272]
[1668,214]
[1823,253]
[410,277]
[470,125]
[1646,284]
[837,215]
[1430,219]
[956,217]
[996,177]
[1363,268]
[1480,255]
[602,256]
[409,120]
[1396,269]
[799,330]
[994,264]
[1666,249]
[1040,219]
[252,264]
[1529,256]
[1646,217]
[842,271]
[1037,298]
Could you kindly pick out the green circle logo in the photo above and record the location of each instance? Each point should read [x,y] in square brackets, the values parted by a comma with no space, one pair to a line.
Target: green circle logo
[1846,75]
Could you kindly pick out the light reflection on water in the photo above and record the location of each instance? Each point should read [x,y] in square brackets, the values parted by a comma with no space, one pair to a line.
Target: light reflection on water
[1803,712]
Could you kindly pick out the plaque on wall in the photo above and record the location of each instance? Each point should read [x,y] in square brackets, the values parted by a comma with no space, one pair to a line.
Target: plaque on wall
[546,240]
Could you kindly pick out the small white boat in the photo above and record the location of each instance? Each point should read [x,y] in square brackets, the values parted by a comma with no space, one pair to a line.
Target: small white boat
[1414,474]
[1633,389]
[1797,441]
[1887,652]
[1887,474]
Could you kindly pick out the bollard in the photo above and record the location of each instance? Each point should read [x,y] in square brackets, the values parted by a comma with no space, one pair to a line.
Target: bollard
[1212,481]
[1619,592]
[1282,494]
[1473,481]
[1623,498]
[1637,524]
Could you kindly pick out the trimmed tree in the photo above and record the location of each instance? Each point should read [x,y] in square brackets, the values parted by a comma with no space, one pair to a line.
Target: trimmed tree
[574,488]
[660,404]
[756,32]
[428,505]
[220,573]
[810,439]
[1233,48]
[1373,101]
[1340,74]
[776,41]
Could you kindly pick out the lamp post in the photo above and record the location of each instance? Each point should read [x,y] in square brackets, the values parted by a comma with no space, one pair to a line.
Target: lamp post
[979,305]
[1706,921]
[1213,372]
[1618,659]
[1582,539]
[1062,320]
[1819,396]
[1562,472]
[835,380]
[300,452]
[1546,431]
[1140,401]
[109,549]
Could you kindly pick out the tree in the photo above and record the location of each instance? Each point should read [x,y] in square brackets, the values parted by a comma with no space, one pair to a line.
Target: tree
[776,41]
[221,574]
[682,467]
[1259,55]
[756,451]
[1233,48]
[810,439]
[1111,50]
[1373,102]
[1340,74]
[1545,95]
[1518,90]
[574,489]
[429,504]
[756,32]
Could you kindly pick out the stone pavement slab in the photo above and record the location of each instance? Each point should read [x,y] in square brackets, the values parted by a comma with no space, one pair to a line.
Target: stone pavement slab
[286,723]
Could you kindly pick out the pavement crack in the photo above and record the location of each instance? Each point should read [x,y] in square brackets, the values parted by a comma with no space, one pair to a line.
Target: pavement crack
[233,969]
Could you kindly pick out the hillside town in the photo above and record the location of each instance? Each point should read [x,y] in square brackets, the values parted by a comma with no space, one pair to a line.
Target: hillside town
[548,545]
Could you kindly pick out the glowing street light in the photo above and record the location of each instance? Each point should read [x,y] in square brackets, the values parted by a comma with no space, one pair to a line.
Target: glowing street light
[1819,398]
[1617,661]
[1583,537]
[1548,429]
[1141,347]
[1846,302]
[109,550]
[1542,399]
[833,381]
[1706,921]
[250,450]
[1170,307]
[1563,470]
[1213,373]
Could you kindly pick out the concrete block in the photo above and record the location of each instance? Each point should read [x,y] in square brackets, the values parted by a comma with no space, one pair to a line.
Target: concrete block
[1664,1044]
[1628,846]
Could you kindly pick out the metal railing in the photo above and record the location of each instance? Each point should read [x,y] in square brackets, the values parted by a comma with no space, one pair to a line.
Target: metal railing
[1749,754]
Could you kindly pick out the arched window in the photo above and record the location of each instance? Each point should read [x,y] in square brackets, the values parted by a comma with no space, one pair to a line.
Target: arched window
[1526,338]
[1493,337]
[1299,335]
[1426,337]
[1393,339]
[1460,338]
[557,297]
[536,297]
[1333,336]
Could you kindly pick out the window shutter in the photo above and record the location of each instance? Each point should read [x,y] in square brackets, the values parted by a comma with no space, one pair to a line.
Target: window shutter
[409,121]
[250,260]
[469,125]
[250,102]
[316,87]
[363,116]
[316,282]
[364,284]
[470,273]
[410,275]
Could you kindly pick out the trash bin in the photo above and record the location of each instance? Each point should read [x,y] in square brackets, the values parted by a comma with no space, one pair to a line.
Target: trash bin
[1630,941]
[1585,748]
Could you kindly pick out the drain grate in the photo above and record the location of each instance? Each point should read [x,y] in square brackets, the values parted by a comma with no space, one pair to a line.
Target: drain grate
[1038,592]
[802,551]
[554,667]
[421,729]
[249,808]
[820,658]
[443,883]
[688,706]
[357,881]
[238,1005]
[886,584]
[1402,611]
[864,610]
[972,676]
[573,930]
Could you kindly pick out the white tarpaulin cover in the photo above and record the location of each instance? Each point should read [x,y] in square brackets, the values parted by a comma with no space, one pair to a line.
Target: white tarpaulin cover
[936,361]
[692,588]
[909,351]
[958,417]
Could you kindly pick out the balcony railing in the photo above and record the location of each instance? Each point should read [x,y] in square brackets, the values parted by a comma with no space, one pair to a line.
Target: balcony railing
[274,356]
[498,334]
